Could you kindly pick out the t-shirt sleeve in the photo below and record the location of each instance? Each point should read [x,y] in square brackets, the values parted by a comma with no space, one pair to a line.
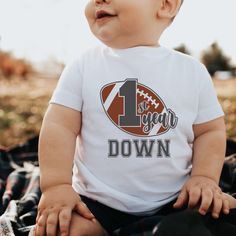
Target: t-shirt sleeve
[68,91]
[209,107]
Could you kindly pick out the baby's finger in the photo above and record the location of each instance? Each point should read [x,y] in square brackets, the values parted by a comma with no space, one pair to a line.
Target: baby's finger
[182,199]
[194,197]
[226,206]
[64,221]
[37,217]
[52,222]
[41,225]
[83,210]
[207,198]
[217,205]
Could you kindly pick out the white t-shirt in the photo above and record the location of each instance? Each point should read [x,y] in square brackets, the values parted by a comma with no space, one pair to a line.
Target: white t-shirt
[138,108]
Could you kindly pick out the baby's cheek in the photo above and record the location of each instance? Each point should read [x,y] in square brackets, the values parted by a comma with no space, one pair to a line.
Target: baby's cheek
[89,10]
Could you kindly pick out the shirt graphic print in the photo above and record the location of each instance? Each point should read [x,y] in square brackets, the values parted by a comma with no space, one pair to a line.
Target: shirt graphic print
[138,110]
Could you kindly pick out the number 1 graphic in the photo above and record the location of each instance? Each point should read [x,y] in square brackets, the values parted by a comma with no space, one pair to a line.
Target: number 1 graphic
[128,92]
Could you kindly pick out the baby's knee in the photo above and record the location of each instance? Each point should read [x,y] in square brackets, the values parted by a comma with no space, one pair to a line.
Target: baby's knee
[83,227]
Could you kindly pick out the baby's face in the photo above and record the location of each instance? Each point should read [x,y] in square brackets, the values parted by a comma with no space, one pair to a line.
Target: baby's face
[123,23]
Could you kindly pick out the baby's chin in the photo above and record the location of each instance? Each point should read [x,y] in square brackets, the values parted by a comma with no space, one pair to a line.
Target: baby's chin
[112,43]
[119,43]
[107,38]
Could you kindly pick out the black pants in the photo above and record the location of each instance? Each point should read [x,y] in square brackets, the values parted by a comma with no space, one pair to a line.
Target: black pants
[112,219]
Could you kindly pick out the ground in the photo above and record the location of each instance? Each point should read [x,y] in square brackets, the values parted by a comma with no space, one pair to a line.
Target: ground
[23,103]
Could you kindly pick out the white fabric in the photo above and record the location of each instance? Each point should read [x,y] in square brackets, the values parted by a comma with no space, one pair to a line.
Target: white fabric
[135,184]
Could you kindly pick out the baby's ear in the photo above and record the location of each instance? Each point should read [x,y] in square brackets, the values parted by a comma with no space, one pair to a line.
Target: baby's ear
[169,8]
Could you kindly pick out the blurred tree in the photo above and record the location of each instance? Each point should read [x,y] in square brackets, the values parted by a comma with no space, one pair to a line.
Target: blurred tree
[11,66]
[182,48]
[215,60]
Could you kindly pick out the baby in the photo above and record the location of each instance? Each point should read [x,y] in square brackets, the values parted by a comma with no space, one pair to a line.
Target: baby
[139,124]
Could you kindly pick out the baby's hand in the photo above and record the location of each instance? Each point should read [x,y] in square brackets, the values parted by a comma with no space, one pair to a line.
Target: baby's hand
[203,192]
[55,209]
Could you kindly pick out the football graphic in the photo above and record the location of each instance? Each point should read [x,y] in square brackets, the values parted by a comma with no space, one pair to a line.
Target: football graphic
[136,109]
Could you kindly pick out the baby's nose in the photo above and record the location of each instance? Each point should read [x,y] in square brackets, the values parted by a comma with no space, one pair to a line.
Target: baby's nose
[101,1]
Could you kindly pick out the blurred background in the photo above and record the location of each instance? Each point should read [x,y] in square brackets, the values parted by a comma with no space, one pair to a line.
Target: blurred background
[38,37]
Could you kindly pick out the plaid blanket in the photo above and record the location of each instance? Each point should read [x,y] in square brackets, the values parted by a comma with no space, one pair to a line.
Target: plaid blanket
[20,194]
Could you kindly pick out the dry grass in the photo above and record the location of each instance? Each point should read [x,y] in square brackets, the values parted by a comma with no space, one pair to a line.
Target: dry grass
[226,91]
[23,103]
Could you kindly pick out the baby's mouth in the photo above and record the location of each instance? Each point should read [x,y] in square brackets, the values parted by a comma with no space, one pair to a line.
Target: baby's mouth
[103,14]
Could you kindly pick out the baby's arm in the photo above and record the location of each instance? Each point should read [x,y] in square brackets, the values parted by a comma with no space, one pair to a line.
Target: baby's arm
[57,141]
[208,158]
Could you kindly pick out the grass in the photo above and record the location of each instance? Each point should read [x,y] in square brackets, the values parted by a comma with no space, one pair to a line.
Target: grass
[226,91]
[22,106]
[23,103]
